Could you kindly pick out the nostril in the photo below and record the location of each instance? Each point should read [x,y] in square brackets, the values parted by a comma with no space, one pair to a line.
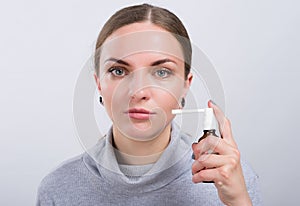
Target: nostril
[141,94]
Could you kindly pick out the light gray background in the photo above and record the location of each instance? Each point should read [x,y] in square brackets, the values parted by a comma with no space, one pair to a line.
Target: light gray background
[254,46]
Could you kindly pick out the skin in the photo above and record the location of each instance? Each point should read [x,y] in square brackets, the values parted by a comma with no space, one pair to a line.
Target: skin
[224,169]
[141,88]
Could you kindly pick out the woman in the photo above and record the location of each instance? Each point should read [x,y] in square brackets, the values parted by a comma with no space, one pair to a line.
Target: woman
[142,63]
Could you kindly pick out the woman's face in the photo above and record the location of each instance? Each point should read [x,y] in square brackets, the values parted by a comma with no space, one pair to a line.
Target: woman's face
[141,79]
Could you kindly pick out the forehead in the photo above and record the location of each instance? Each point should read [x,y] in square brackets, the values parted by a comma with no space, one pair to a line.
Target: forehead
[140,37]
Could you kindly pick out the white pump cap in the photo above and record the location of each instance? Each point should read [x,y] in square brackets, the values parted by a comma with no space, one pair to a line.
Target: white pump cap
[210,121]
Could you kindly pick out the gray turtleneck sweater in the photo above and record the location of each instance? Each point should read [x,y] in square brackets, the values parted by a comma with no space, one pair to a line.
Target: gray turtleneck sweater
[96,178]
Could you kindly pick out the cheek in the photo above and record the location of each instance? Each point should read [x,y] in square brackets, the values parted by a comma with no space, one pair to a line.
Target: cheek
[168,100]
[115,96]
[108,89]
[105,90]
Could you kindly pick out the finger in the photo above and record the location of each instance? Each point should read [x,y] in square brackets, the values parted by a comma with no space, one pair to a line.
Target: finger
[209,162]
[212,144]
[219,116]
[197,166]
[204,146]
[224,123]
[219,176]
[205,175]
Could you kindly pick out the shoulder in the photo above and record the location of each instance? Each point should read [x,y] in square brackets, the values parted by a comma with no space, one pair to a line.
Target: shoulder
[63,174]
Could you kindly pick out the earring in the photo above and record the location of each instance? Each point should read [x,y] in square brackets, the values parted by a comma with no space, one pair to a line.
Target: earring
[101,100]
[182,102]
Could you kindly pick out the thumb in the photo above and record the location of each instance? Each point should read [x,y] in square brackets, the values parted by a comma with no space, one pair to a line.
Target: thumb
[224,123]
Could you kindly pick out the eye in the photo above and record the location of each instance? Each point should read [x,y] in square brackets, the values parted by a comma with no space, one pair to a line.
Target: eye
[117,71]
[163,72]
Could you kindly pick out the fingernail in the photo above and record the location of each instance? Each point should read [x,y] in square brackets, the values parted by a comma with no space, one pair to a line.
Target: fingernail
[213,102]
[193,156]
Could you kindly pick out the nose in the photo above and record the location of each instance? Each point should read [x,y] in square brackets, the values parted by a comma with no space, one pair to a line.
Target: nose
[139,87]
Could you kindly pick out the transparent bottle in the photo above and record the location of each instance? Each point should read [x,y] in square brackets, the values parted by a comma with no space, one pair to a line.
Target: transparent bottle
[209,127]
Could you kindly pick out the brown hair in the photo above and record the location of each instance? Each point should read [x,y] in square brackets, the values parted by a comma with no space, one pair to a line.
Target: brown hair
[145,12]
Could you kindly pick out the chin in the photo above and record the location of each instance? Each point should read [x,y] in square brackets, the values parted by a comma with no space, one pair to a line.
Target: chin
[142,132]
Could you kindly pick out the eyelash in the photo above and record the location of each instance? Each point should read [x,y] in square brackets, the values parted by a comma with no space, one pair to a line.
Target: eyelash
[113,70]
[167,71]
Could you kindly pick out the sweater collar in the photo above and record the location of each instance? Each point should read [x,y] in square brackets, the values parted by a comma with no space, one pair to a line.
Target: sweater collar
[174,161]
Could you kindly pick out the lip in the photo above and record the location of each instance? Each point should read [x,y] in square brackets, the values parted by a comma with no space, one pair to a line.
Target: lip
[139,113]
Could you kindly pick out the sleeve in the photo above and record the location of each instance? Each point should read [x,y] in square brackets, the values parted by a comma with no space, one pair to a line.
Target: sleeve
[253,184]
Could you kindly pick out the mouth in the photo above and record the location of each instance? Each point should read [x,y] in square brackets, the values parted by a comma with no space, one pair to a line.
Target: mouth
[139,113]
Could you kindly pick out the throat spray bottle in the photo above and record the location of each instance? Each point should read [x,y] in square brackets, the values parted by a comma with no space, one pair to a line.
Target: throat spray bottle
[209,124]
[209,128]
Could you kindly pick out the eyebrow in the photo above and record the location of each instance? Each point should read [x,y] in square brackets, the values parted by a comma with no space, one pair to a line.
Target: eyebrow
[162,61]
[119,61]
[158,62]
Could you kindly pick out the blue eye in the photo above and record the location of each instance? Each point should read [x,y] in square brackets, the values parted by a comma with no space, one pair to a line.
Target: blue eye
[117,71]
[163,73]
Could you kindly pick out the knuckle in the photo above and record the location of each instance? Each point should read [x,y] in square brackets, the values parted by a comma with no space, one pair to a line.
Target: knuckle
[237,154]
[194,167]
[197,178]
[224,172]
[196,149]
[212,140]
[233,161]
[200,175]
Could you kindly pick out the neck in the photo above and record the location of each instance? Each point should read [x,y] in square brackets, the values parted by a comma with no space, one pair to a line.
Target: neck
[137,148]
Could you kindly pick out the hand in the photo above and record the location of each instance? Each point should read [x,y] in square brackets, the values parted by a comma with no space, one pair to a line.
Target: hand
[223,165]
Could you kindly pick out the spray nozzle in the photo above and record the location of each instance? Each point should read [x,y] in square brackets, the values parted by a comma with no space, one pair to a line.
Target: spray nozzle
[210,121]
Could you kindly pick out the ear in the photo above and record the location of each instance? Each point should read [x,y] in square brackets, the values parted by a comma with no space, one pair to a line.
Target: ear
[97,80]
[187,83]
